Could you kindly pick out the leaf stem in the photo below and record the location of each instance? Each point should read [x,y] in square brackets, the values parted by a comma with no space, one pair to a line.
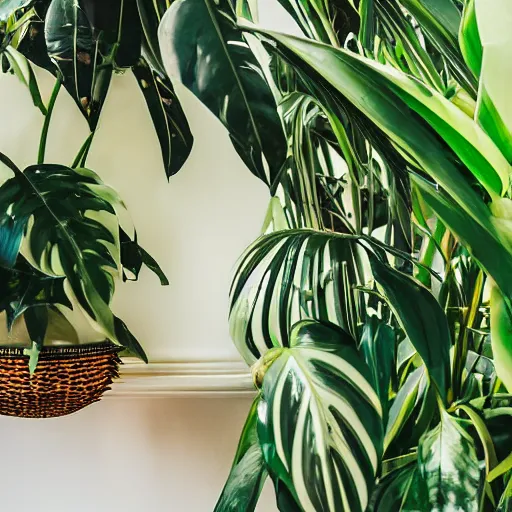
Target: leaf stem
[47,118]
[81,156]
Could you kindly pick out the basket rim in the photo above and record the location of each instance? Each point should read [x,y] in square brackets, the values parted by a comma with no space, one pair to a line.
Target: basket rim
[65,352]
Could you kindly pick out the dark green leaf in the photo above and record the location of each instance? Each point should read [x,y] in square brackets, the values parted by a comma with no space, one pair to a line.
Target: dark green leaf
[203,48]
[168,117]
[378,346]
[423,320]
[248,472]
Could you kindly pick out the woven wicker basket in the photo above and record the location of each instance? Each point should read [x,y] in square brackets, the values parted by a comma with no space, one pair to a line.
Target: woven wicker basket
[66,379]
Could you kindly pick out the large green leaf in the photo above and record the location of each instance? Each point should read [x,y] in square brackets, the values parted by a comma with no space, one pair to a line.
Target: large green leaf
[319,421]
[288,276]
[390,490]
[202,47]
[490,40]
[248,472]
[168,117]
[448,475]
[412,115]
[423,320]
[66,239]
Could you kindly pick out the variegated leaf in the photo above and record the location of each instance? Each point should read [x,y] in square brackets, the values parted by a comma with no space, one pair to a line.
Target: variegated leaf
[288,276]
[320,420]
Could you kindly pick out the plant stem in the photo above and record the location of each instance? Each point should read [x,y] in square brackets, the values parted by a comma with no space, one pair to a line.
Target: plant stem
[81,156]
[46,124]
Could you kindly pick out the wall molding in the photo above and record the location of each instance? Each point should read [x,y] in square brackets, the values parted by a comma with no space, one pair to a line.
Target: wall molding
[183,379]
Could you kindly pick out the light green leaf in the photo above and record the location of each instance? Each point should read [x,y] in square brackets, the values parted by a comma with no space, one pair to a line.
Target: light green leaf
[501,337]
[319,421]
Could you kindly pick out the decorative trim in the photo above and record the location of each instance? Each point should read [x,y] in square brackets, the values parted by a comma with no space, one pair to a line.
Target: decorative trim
[190,379]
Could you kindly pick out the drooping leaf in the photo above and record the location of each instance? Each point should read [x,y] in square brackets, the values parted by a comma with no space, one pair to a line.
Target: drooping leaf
[448,475]
[423,320]
[20,67]
[202,47]
[319,420]
[170,123]
[486,238]
[412,115]
[248,472]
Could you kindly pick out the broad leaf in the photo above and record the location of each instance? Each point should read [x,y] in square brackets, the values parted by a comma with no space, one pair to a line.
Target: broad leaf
[170,123]
[448,475]
[63,238]
[319,421]
[288,276]
[202,47]
[248,472]
[423,320]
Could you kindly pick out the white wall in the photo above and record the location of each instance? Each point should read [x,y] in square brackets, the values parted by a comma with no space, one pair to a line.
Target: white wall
[154,454]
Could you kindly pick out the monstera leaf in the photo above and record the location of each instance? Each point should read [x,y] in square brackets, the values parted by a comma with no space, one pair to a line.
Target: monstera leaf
[319,421]
[66,239]
[203,48]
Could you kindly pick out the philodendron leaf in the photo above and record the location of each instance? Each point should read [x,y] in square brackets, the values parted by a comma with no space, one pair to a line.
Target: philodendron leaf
[448,475]
[170,123]
[285,277]
[248,472]
[203,48]
[423,320]
[319,420]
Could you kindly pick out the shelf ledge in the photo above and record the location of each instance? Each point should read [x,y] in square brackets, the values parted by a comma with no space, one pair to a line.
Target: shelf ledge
[186,379]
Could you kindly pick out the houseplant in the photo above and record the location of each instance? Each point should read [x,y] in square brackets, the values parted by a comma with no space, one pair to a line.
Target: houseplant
[375,309]
[55,254]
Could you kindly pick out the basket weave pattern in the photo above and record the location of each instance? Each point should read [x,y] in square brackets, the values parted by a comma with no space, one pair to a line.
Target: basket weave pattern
[66,379]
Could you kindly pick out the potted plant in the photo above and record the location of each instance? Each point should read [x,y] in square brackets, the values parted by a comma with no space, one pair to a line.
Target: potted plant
[64,237]
[375,309]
